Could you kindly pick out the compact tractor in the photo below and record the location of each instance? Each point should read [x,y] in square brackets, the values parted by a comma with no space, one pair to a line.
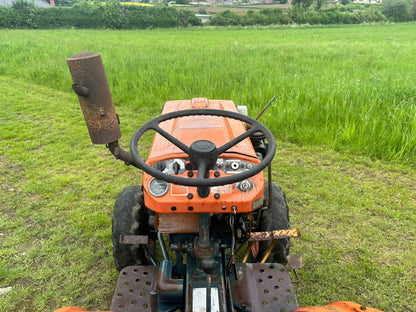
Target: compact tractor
[222,229]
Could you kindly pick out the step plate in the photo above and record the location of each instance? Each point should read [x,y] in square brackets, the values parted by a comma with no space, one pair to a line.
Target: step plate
[264,287]
[133,288]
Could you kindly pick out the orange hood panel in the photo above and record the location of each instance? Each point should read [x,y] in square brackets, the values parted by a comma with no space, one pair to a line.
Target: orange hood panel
[190,129]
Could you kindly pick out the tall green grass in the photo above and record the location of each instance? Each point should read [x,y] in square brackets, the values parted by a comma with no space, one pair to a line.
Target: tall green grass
[351,88]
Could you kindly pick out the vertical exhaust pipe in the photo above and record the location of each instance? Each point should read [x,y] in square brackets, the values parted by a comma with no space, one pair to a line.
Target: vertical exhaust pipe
[91,86]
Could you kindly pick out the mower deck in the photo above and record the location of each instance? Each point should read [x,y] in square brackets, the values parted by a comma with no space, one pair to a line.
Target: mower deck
[260,287]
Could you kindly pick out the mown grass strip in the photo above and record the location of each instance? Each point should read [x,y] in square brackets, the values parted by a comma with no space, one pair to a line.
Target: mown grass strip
[57,191]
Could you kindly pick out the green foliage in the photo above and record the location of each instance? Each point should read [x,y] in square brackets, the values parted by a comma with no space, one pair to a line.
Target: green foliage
[111,14]
[320,4]
[116,16]
[337,15]
[398,10]
[300,15]
[25,14]
[7,17]
[304,4]
[23,5]
[226,18]
[187,18]
[265,16]
[371,13]
[413,11]
[95,14]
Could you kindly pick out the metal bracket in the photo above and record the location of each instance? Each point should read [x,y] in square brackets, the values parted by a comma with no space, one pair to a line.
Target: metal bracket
[295,262]
[134,239]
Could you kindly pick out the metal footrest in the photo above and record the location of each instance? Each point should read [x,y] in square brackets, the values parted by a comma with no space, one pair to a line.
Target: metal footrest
[264,287]
[133,289]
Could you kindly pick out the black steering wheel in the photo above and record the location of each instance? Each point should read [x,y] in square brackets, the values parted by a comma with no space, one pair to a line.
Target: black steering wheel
[203,154]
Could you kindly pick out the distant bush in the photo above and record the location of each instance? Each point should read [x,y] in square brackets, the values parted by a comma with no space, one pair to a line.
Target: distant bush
[187,18]
[7,16]
[338,15]
[226,18]
[95,14]
[399,10]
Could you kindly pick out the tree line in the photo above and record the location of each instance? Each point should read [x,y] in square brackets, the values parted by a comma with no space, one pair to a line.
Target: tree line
[112,14]
[84,14]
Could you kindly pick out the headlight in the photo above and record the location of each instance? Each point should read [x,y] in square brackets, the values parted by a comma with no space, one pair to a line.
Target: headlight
[158,187]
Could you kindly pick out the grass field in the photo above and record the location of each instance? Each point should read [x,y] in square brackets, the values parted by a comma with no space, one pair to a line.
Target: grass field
[345,125]
[350,88]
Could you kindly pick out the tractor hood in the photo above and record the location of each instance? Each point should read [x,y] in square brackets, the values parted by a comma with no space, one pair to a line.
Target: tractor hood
[218,130]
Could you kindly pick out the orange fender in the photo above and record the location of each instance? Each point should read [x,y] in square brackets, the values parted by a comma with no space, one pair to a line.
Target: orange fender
[73,309]
[340,306]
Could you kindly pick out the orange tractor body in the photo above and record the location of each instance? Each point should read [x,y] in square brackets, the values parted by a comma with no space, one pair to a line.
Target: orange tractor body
[221,199]
[203,189]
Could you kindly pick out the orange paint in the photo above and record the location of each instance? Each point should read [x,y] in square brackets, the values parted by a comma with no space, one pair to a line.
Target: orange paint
[340,306]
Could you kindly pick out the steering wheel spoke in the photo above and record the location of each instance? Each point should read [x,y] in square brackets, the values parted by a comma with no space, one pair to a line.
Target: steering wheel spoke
[237,140]
[172,139]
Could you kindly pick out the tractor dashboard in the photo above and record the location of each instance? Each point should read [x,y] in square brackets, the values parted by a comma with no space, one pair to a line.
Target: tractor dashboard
[227,166]
[169,158]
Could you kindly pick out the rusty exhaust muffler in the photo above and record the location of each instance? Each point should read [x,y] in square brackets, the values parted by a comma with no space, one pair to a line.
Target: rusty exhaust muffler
[91,86]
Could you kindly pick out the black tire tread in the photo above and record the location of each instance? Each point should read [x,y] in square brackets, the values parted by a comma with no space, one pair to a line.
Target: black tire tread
[275,218]
[128,214]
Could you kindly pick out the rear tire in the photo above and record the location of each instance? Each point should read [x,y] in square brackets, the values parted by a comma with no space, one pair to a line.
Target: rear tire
[275,218]
[128,219]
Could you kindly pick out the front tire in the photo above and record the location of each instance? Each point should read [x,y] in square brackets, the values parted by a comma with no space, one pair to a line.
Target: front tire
[275,218]
[128,219]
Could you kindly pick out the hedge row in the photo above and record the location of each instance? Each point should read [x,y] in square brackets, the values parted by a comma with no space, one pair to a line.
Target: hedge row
[298,16]
[110,14]
[114,17]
